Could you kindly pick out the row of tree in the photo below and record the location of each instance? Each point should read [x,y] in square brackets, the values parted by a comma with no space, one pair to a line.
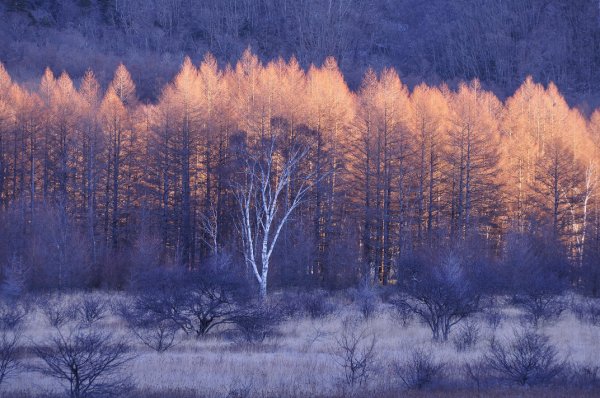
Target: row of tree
[94,183]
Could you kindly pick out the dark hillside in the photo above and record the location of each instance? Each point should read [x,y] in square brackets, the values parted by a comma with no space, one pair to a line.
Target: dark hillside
[499,42]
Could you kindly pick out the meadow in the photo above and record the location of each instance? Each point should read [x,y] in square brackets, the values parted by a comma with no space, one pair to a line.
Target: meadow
[305,354]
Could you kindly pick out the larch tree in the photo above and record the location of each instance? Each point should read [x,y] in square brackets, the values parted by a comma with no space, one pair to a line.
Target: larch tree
[362,162]
[187,97]
[472,161]
[92,147]
[370,177]
[383,162]
[46,90]
[162,173]
[114,118]
[428,127]
[522,125]
[330,110]
[65,103]
[5,117]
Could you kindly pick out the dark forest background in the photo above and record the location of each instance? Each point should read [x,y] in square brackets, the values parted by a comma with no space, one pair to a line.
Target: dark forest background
[498,42]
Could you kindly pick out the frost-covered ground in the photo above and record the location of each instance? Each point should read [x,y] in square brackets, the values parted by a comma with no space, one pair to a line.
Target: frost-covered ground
[299,361]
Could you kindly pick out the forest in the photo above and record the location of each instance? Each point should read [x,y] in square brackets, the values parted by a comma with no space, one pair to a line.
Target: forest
[96,185]
[311,198]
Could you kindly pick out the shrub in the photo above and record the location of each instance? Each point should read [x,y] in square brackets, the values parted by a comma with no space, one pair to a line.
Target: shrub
[584,375]
[289,303]
[528,359]
[587,310]
[536,273]
[154,330]
[12,315]
[58,311]
[442,295]
[366,301]
[403,311]
[240,388]
[477,372]
[540,306]
[420,370]
[467,336]
[91,309]
[91,363]
[355,353]
[9,347]
[316,304]
[493,317]
[195,302]
[257,321]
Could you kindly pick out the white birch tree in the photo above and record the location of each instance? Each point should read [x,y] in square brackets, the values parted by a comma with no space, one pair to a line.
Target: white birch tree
[261,196]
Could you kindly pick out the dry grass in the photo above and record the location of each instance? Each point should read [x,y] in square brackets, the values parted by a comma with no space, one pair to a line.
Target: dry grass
[299,362]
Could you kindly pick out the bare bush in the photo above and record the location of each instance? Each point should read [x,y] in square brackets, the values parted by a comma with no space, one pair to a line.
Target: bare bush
[154,330]
[240,388]
[527,359]
[587,310]
[403,311]
[12,315]
[195,303]
[159,335]
[584,375]
[15,279]
[317,333]
[355,353]
[89,362]
[442,296]
[91,309]
[316,304]
[540,306]
[420,370]
[290,303]
[366,301]
[536,273]
[477,372]
[57,311]
[9,347]
[466,336]
[257,321]
[493,317]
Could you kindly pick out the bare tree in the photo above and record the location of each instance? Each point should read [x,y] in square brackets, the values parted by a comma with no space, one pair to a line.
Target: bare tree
[260,197]
[90,362]
[209,223]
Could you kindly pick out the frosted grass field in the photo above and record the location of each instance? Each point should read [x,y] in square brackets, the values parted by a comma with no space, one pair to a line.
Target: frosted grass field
[299,361]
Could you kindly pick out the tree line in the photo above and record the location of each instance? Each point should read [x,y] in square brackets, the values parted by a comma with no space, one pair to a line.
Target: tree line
[96,185]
